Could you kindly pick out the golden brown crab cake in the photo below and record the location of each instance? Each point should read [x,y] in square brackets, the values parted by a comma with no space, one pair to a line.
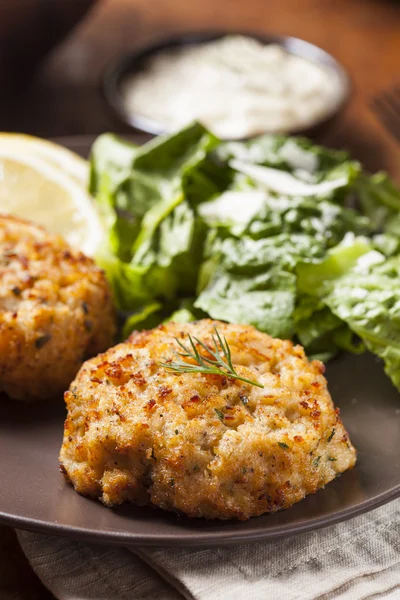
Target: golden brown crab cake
[205,445]
[55,311]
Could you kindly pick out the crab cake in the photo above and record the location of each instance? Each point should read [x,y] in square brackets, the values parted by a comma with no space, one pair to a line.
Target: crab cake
[55,311]
[205,445]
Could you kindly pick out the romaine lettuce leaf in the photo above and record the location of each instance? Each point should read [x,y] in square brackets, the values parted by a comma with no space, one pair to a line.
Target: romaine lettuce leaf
[172,255]
[265,232]
[148,317]
[370,304]
[162,166]
[386,243]
[155,239]
[185,312]
[282,182]
[252,281]
[154,314]
[246,208]
[265,300]
[317,280]
[112,158]
[290,154]
[181,315]
[322,333]
[248,256]
[145,184]
[379,200]
[362,289]
[165,265]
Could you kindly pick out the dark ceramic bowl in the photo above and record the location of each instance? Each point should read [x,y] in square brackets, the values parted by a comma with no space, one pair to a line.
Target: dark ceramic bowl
[134,62]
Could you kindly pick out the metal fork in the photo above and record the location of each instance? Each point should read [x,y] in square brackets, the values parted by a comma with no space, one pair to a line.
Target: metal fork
[387,108]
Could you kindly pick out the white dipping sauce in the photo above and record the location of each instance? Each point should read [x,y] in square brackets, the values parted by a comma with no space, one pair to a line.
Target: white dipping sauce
[235,86]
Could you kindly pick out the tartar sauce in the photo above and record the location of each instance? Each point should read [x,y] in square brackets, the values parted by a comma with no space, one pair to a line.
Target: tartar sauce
[236,86]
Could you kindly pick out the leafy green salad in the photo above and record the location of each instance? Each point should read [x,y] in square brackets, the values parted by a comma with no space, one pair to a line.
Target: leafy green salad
[293,238]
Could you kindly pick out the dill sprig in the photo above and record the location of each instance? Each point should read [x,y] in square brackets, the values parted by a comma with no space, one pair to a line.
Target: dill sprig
[219,361]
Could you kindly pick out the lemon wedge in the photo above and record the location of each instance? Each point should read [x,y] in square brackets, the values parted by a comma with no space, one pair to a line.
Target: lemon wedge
[38,189]
[69,162]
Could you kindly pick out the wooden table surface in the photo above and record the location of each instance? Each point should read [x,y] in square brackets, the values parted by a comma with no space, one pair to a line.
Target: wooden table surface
[363,34]
[64,99]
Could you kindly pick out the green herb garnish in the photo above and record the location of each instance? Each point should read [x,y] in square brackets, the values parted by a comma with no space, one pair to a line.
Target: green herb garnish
[220,414]
[331,435]
[42,341]
[283,445]
[219,364]
[316,461]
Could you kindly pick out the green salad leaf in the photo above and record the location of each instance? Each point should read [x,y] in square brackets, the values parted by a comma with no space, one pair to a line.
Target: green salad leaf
[369,301]
[253,280]
[361,288]
[154,236]
[276,232]
[322,332]
[289,154]
[379,200]
[147,318]
[111,159]
[265,300]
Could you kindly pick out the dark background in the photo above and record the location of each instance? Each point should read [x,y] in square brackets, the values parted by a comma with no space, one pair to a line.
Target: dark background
[62,97]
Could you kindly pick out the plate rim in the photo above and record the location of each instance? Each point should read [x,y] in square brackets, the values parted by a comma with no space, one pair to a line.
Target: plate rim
[200,538]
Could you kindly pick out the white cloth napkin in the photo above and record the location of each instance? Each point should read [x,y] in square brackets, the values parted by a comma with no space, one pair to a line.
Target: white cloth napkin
[355,560]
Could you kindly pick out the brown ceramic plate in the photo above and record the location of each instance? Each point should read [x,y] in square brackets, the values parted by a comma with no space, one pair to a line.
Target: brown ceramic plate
[34,495]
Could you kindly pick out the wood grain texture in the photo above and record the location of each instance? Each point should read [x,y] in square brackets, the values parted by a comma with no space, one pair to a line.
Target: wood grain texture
[363,34]
[64,99]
